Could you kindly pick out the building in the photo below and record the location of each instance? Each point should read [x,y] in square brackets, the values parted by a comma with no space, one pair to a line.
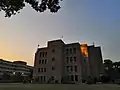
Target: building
[68,63]
[92,63]
[14,68]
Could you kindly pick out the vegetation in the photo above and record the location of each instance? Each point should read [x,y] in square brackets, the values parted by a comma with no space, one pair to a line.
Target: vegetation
[11,7]
[112,71]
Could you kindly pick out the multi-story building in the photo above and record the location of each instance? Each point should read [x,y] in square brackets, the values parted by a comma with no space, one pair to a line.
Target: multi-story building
[13,68]
[64,62]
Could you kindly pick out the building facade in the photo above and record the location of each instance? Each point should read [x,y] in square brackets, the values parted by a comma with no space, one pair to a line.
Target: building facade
[60,62]
[14,68]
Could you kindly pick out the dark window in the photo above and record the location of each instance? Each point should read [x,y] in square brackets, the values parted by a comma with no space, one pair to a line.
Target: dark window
[75,68]
[71,60]
[67,68]
[53,50]
[74,49]
[53,68]
[66,51]
[44,78]
[40,54]
[71,68]
[76,78]
[45,61]
[67,59]
[41,69]
[39,61]
[45,54]
[74,59]
[70,50]
[72,78]
[38,69]
[41,78]
[44,69]
[53,59]
[42,61]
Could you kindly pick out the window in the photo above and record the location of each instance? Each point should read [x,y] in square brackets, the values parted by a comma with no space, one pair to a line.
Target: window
[39,61]
[71,60]
[71,68]
[41,78]
[66,51]
[44,69]
[53,68]
[76,78]
[67,59]
[75,68]
[67,68]
[72,78]
[40,54]
[53,59]
[45,54]
[38,69]
[74,59]
[42,61]
[45,61]
[41,69]
[74,49]
[53,50]
[70,50]
[44,79]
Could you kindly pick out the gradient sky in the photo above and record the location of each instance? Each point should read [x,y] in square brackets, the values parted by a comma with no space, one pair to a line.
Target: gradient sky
[84,21]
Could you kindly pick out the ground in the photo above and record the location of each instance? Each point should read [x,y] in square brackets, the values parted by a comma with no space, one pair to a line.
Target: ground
[58,87]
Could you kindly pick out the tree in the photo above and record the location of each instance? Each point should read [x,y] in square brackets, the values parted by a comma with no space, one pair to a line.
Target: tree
[116,66]
[11,7]
[108,64]
[112,70]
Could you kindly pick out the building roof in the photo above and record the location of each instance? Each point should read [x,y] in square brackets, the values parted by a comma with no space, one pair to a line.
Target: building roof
[57,40]
[9,62]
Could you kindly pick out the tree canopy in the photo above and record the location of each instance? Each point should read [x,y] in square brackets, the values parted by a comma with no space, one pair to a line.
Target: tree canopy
[112,69]
[12,7]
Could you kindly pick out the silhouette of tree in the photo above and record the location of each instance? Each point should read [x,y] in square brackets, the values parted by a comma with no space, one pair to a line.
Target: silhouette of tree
[108,64]
[11,7]
[112,70]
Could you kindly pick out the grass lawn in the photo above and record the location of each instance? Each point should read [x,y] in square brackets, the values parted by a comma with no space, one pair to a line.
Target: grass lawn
[58,87]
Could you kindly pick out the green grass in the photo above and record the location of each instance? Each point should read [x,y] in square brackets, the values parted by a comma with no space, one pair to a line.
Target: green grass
[57,87]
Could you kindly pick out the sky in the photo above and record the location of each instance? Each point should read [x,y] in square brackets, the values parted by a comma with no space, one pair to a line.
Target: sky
[84,21]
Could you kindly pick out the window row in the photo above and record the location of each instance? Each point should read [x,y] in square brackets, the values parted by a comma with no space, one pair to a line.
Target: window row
[13,68]
[71,68]
[44,61]
[70,50]
[43,54]
[41,69]
[70,59]
[72,77]
[42,78]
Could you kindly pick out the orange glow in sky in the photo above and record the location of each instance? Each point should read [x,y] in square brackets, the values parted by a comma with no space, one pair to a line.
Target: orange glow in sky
[8,53]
